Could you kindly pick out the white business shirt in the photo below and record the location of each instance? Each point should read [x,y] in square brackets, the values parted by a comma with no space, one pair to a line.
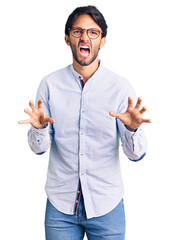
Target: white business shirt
[84,140]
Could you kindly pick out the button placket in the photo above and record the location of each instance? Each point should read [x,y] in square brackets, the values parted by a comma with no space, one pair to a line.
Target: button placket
[81,134]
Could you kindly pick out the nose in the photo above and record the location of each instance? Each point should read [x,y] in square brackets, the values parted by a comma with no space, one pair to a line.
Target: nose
[84,35]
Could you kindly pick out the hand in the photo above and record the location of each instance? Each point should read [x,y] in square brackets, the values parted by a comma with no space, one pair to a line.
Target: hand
[38,117]
[133,116]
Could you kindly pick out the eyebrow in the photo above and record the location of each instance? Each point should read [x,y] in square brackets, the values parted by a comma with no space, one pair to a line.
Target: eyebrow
[86,28]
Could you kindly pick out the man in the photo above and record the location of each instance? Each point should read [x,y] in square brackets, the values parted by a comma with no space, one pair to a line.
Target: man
[74,118]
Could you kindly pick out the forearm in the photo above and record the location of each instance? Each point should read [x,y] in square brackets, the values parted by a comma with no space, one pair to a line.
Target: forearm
[39,139]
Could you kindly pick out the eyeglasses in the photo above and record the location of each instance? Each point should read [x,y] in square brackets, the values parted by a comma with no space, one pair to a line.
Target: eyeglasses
[92,33]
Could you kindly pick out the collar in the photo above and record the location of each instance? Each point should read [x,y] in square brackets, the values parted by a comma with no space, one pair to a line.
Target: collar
[95,75]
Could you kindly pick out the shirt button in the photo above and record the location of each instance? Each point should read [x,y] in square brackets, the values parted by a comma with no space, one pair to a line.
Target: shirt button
[82,111]
[77,201]
[81,174]
[78,191]
[81,133]
[81,154]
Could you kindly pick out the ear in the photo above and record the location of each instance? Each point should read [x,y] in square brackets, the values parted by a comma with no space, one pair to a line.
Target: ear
[67,40]
[103,41]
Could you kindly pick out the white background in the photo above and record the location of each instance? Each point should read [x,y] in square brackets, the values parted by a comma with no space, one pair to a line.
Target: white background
[138,48]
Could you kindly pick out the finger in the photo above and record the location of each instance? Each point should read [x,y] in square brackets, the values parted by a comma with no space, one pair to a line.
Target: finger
[130,102]
[146,120]
[24,121]
[113,114]
[32,106]
[40,103]
[143,110]
[28,112]
[139,102]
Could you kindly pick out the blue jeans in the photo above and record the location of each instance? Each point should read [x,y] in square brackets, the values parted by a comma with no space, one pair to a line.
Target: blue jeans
[61,226]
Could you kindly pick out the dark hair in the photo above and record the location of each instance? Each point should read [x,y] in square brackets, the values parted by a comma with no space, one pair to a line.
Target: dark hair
[93,12]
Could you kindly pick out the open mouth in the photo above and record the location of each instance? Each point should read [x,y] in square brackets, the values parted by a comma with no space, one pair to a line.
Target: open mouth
[85,51]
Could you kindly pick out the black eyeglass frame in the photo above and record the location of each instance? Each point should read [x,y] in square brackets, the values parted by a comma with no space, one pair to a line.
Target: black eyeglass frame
[87,31]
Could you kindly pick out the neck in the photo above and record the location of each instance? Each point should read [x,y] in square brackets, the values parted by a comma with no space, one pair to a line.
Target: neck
[86,71]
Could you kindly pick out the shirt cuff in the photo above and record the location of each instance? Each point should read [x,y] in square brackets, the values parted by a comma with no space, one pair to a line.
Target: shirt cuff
[40,131]
[129,134]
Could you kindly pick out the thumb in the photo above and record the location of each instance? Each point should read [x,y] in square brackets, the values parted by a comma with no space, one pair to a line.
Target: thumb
[113,114]
[50,120]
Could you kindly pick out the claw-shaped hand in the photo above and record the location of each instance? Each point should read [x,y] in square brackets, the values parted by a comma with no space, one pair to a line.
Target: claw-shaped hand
[133,115]
[38,117]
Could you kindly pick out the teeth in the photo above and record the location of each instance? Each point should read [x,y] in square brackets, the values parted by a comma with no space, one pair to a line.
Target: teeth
[84,47]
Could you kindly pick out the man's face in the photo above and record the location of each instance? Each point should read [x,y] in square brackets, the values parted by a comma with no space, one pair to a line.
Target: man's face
[79,45]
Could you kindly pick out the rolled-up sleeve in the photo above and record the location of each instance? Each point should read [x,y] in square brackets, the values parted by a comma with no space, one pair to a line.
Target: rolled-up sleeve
[39,139]
[134,144]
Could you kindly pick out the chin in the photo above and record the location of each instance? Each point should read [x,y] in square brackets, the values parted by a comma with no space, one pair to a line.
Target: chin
[85,62]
